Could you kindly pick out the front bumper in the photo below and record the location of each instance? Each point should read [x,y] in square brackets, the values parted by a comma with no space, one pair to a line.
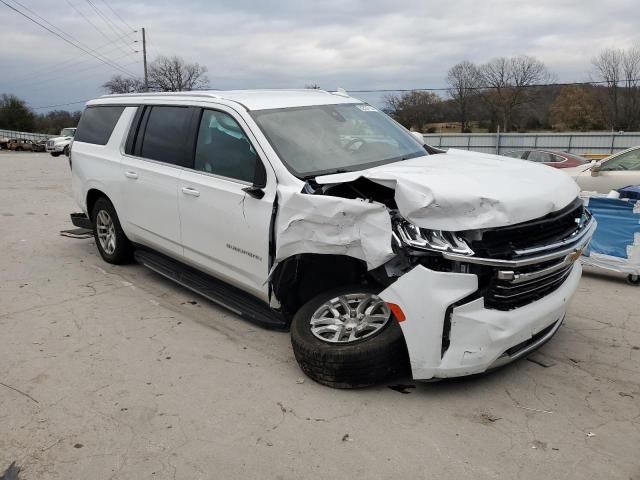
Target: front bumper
[56,148]
[479,338]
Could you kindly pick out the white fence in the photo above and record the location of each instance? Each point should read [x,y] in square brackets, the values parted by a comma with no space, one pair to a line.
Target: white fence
[579,143]
[27,136]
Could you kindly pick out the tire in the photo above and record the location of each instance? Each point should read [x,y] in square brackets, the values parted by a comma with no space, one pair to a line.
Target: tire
[19,149]
[633,280]
[65,151]
[55,154]
[114,246]
[361,363]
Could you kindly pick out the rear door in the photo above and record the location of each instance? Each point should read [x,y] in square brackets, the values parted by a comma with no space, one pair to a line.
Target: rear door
[156,151]
[225,230]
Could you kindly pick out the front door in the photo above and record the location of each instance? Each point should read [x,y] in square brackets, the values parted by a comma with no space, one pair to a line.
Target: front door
[225,230]
[619,171]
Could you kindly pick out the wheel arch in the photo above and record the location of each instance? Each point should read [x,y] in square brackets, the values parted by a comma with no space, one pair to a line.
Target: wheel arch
[301,277]
[93,194]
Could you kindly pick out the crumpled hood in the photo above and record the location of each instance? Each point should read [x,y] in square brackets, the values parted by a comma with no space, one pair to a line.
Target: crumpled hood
[461,190]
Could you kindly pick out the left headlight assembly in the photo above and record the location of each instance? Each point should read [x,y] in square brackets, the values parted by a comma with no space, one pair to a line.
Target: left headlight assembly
[433,240]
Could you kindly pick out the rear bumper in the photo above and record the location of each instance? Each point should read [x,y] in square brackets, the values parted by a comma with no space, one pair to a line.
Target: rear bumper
[81,220]
[479,338]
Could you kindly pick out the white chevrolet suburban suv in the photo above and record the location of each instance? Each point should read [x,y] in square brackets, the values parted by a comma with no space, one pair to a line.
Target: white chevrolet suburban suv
[314,211]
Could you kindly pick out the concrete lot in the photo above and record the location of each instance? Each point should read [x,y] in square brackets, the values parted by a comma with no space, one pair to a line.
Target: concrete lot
[113,372]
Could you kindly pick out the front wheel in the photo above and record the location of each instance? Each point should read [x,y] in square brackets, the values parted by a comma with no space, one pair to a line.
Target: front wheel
[113,244]
[633,280]
[348,338]
[55,154]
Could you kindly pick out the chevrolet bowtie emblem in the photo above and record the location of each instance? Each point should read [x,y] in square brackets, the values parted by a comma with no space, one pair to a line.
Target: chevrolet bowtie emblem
[573,256]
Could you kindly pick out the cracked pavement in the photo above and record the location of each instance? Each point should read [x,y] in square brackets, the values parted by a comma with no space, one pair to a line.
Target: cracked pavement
[115,373]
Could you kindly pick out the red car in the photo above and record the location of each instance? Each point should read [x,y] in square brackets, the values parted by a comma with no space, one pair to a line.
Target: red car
[549,157]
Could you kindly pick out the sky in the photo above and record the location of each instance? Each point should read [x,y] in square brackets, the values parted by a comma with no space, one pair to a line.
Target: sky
[355,45]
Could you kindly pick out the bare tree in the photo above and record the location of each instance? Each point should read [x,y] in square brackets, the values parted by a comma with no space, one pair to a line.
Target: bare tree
[508,83]
[414,109]
[172,74]
[608,66]
[631,82]
[463,80]
[120,84]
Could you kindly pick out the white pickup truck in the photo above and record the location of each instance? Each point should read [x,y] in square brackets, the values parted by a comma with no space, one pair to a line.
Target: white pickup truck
[60,145]
[315,212]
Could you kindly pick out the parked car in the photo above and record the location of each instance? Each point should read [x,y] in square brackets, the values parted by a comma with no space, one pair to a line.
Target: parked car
[314,211]
[617,171]
[57,146]
[4,141]
[20,144]
[40,146]
[548,157]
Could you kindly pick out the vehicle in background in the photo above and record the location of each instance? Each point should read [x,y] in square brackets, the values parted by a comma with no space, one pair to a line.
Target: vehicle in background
[40,146]
[616,171]
[20,144]
[60,145]
[4,143]
[548,157]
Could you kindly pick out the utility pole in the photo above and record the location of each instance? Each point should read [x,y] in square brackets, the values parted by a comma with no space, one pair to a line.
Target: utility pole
[144,54]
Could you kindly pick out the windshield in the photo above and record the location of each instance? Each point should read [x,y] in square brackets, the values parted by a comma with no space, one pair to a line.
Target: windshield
[67,132]
[335,138]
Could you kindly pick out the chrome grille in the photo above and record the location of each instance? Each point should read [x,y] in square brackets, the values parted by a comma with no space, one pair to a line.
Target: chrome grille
[526,287]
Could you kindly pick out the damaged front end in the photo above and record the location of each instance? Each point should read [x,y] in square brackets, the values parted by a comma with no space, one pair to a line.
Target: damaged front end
[481,280]
[482,298]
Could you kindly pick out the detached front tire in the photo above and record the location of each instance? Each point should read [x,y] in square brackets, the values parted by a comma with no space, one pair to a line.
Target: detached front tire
[348,338]
[112,243]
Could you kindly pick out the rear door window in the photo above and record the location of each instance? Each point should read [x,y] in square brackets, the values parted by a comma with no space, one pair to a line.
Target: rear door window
[97,124]
[166,135]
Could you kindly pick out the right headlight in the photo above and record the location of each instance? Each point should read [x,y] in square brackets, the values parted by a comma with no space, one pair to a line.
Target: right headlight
[434,240]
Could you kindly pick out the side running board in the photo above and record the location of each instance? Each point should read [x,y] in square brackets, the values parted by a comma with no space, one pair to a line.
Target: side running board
[232,298]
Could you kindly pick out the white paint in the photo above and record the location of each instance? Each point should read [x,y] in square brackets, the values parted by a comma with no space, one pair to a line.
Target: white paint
[332,225]
[462,190]
[478,335]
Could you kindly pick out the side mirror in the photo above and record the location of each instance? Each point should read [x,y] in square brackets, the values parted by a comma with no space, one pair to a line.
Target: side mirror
[259,181]
[418,136]
[595,170]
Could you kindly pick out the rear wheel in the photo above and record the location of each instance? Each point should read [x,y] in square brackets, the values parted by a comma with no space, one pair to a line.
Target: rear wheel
[348,338]
[113,244]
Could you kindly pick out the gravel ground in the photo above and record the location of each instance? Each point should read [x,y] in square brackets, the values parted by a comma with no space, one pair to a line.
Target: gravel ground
[113,372]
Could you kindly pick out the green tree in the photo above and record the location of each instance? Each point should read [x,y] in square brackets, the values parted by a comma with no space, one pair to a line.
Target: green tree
[15,114]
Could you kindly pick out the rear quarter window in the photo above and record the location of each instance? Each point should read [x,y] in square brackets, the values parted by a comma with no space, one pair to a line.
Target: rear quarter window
[97,124]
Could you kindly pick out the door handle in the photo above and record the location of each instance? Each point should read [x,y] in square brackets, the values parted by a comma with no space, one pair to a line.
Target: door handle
[131,174]
[190,191]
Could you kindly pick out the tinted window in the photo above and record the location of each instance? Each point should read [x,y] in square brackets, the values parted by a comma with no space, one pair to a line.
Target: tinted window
[97,124]
[166,133]
[542,157]
[223,149]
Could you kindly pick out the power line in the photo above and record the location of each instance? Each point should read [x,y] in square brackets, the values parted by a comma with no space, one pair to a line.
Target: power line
[80,47]
[116,14]
[93,24]
[58,29]
[488,87]
[112,26]
[28,79]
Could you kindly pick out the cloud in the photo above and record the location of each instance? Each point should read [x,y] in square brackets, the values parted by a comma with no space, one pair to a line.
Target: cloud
[286,43]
